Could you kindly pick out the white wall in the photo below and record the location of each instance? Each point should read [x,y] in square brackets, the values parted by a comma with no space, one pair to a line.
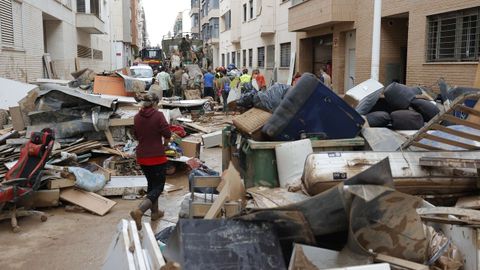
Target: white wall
[250,34]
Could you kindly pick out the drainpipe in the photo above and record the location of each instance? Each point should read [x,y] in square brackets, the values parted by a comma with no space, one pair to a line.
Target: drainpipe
[377,21]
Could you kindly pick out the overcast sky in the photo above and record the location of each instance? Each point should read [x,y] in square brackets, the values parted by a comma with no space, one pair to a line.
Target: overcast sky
[160,16]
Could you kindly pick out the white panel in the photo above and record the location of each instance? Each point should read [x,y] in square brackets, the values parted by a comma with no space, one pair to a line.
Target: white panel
[291,158]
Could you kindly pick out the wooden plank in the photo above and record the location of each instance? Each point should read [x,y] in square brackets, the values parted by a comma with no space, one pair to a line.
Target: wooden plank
[400,262]
[468,213]
[456,132]
[425,146]
[447,141]
[88,200]
[109,136]
[117,122]
[459,121]
[46,198]
[354,142]
[200,209]
[136,245]
[468,110]
[218,203]
[17,118]
[60,183]
[472,202]
[155,257]
[206,181]
[17,141]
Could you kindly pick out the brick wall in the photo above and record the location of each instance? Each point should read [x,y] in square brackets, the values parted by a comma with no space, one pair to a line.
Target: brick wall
[393,38]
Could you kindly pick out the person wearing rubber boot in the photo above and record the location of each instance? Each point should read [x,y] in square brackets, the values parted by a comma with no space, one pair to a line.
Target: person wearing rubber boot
[153,134]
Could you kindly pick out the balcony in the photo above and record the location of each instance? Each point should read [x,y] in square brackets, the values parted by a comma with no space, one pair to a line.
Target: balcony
[194,10]
[310,14]
[267,25]
[90,23]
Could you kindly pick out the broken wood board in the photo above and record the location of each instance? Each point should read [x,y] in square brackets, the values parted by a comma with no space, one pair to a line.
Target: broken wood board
[60,183]
[472,202]
[404,264]
[436,137]
[127,185]
[17,141]
[46,198]
[198,127]
[88,200]
[154,257]
[17,118]
[119,254]
[117,122]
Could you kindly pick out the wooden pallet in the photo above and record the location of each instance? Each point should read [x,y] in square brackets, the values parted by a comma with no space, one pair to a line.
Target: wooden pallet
[436,125]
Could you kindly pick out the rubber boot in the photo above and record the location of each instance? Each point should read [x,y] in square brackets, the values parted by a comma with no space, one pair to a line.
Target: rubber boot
[138,213]
[156,213]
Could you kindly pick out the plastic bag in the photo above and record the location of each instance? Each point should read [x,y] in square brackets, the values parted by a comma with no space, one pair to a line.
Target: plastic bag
[87,180]
[246,100]
[442,252]
[270,99]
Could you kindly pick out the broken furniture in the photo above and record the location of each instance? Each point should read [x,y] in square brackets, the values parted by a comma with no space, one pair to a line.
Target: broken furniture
[24,178]
[133,250]
[327,169]
[199,207]
[464,134]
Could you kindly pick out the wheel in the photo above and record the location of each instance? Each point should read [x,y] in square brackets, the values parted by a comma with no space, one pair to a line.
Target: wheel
[43,218]
[16,229]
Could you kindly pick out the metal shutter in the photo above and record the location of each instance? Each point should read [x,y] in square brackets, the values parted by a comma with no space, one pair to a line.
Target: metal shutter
[6,23]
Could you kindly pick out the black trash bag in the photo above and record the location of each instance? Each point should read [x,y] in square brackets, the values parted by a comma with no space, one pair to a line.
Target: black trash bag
[270,99]
[406,120]
[381,106]
[378,119]
[427,109]
[399,96]
[246,100]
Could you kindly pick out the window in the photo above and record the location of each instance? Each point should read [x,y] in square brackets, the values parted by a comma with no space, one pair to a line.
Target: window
[11,23]
[227,20]
[233,59]
[261,57]
[228,59]
[214,27]
[454,36]
[98,55]
[81,6]
[244,58]
[223,59]
[195,20]
[238,59]
[244,12]
[285,51]
[213,4]
[95,7]
[250,57]
[270,56]
[251,9]
[84,52]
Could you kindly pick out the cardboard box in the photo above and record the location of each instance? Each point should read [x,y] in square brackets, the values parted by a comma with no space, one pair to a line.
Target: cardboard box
[191,148]
[110,85]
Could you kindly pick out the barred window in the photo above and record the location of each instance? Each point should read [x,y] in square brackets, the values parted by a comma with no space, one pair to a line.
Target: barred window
[244,58]
[97,54]
[270,56]
[233,59]
[84,52]
[223,59]
[250,57]
[285,51]
[261,57]
[454,36]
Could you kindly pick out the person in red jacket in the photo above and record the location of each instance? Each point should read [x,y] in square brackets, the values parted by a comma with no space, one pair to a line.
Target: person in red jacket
[153,134]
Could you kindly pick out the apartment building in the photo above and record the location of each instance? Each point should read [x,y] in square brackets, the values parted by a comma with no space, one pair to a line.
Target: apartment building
[209,32]
[195,18]
[421,41]
[254,34]
[67,30]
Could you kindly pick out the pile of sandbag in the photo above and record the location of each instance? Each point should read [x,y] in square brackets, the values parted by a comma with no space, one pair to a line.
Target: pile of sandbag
[401,108]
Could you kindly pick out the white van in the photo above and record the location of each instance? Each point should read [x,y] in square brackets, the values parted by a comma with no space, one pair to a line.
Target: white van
[144,73]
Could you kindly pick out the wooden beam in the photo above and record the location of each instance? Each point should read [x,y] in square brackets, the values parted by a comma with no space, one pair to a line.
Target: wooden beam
[425,146]
[450,162]
[468,213]
[117,122]
[448,141]
[109,136]
[459,121]
[456,132]
[60,183]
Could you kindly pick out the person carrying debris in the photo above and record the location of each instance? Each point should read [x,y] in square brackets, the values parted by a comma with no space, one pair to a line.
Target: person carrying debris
[258,80]
[166,85]
[153,134]
[185,48]
[177,78]
[185,79]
